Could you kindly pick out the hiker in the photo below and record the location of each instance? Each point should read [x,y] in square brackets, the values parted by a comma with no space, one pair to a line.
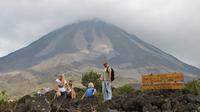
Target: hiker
[60,86]
[106,82]
[70,90]
[90,91]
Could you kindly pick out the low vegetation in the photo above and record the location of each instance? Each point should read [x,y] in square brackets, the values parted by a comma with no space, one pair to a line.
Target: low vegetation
[3,98]
[127,88]
[193,87]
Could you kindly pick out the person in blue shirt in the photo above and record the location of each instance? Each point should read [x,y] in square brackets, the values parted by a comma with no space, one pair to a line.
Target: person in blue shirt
[90,91]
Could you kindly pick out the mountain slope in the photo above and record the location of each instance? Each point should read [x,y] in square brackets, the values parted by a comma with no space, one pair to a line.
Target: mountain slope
[88,43]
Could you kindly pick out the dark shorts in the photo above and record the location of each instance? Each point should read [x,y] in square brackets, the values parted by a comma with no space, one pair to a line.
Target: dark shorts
[63,94]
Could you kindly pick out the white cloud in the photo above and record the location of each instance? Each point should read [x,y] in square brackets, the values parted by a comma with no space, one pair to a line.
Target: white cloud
[172,25]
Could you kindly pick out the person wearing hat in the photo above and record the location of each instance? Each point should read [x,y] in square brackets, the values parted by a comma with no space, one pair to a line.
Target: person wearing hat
[90,91]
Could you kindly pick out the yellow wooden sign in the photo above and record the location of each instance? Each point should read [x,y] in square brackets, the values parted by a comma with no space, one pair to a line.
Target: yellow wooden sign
[162,81]
[152,78]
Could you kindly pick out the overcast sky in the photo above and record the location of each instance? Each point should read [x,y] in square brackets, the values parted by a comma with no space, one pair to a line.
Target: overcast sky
[171,25]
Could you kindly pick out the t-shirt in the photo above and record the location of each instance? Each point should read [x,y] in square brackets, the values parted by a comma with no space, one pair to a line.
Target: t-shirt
[61,86]
[106,74]
[90,92]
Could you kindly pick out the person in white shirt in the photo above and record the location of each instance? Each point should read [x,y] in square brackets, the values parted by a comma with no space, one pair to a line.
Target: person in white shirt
[60,86]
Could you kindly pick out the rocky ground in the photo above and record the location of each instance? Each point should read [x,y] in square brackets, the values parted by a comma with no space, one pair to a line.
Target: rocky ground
[156,101]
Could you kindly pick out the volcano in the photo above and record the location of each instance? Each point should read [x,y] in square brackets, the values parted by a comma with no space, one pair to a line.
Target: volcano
[90,43]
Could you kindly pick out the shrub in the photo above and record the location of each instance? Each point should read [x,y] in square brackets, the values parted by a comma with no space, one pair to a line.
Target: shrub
[198,110]
[91,76]
[193,87]
[3,98]
[123,90]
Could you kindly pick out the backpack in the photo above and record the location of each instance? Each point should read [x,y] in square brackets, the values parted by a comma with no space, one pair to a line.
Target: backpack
[112,74]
